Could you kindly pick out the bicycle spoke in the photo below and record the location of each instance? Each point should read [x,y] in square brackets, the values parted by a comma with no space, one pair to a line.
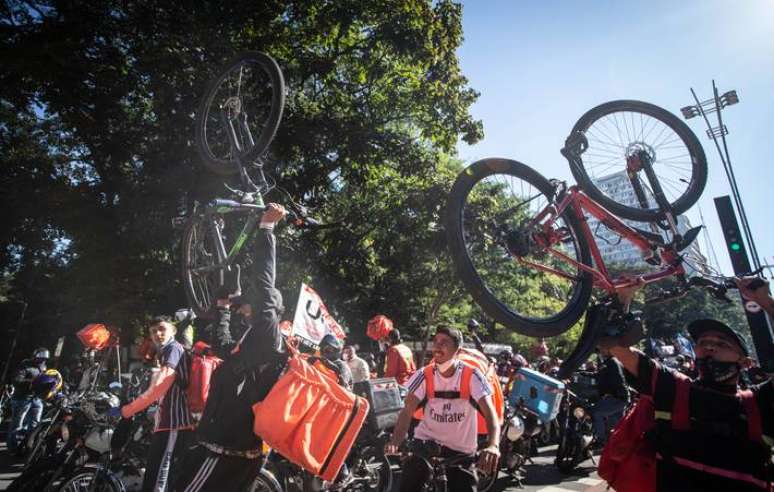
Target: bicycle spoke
[616,136]
[496,207]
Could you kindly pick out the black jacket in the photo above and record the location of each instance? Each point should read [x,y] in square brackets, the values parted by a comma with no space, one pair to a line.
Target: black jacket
[611,381]
[246,376]
[23,377]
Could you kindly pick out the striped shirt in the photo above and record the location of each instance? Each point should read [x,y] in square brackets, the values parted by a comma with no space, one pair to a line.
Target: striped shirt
[173,412]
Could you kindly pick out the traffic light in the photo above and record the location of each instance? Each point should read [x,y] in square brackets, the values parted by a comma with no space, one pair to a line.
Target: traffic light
[756,318]
[732,234]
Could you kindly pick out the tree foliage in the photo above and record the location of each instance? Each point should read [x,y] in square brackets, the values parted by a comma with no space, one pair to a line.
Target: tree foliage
[98,101]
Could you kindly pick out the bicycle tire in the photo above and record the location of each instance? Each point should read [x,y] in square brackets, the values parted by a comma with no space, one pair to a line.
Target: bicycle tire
[199,289]
[477,287]
[223,164]
[695,159]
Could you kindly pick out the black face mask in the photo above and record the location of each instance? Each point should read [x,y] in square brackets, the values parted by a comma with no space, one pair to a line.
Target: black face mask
[716,372]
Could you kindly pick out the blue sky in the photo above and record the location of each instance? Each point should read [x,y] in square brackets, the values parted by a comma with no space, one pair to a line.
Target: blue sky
[539,65]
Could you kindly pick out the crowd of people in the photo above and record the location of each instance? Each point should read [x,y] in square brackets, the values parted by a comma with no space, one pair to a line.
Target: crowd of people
[714,447]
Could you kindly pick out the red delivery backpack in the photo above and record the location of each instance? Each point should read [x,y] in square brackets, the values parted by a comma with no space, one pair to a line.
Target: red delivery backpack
[203,364]
[310,419]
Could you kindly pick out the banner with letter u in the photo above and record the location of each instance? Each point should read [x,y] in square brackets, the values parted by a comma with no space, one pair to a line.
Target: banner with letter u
[312,320]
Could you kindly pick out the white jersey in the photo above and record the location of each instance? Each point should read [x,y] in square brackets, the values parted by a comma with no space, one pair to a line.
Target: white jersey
[451,423]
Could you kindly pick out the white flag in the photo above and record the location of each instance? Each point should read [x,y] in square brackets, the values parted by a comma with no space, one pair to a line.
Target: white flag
[312,320]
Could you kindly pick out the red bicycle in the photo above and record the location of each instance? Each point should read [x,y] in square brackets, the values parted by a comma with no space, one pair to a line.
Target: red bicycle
[523,245]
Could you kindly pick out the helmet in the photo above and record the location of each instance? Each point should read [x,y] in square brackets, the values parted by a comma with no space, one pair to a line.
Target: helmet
[47,384]
[472,324]
[520,361]
[41,353]
[330,347]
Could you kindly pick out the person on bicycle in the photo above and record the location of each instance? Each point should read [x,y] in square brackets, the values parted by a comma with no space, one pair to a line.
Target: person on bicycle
[399,360]
[228,455]
[724,442]
[450,420]
[26,407]
[173,426]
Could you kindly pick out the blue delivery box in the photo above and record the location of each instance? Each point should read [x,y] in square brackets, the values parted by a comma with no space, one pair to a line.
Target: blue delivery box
[539,393]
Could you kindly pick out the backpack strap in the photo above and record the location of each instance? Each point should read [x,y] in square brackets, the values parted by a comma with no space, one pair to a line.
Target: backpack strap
[429,381]
[681,419]
[754,424]
[467,373]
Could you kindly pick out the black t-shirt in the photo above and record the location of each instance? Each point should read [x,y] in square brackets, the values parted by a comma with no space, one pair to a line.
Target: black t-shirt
[718,434]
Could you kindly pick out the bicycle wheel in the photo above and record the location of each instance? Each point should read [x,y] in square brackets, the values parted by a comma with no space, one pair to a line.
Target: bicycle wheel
[495,243]
[201,279]
[618,130]
[248,95]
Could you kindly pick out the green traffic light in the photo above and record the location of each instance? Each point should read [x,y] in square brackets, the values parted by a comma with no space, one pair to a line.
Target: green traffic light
[736,246]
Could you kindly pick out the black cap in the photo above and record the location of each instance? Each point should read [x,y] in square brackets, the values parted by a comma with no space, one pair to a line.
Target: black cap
[698,327]
[453,333]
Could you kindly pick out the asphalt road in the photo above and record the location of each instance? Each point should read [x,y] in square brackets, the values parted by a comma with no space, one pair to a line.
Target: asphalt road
[541,475]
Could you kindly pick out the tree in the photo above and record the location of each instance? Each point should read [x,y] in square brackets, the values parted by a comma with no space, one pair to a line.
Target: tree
[98,103]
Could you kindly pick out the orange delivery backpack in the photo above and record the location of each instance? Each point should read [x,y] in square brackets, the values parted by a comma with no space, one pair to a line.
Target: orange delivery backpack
[476,359]
[203,364]
[310,419]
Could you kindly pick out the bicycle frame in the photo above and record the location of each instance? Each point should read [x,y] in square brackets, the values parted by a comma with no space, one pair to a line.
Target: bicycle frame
[579,202]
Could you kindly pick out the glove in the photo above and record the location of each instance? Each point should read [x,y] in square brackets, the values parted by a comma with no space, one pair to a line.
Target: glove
[114,412]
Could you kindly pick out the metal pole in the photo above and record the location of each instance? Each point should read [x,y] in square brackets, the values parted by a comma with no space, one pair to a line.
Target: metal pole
[734,187]
[15,340]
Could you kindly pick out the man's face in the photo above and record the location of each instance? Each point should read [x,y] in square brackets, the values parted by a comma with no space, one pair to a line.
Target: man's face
[348,353]
[162,333]
[718,346]
[443,348]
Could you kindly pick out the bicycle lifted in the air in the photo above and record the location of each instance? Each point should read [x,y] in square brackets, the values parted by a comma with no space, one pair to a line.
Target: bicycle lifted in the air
[237,120]
[526,251]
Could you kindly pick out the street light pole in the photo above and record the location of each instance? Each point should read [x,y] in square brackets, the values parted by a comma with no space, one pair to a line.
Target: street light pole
[715,105]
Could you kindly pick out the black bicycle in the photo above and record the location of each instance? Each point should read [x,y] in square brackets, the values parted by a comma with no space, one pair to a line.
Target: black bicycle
[237,120]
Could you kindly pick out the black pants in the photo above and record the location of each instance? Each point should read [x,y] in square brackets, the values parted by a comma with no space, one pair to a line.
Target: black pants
[165,453]
[416,471]
[204,470]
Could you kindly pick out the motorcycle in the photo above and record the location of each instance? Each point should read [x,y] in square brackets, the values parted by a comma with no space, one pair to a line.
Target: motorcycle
[85,434]
[576,428]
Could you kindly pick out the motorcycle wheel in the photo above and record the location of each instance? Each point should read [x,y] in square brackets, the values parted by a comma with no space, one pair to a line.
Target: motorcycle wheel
[83,478]
[265,482]
[373,471]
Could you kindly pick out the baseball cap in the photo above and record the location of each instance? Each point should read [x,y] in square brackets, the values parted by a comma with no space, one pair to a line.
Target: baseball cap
[698,327]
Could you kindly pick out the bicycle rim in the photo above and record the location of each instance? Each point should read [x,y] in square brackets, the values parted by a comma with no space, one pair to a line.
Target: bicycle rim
[249,94]
[499,234]
[200,280]
[618,133]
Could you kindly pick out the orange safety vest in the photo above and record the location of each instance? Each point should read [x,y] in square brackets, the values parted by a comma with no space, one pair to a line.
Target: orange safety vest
[472,358]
